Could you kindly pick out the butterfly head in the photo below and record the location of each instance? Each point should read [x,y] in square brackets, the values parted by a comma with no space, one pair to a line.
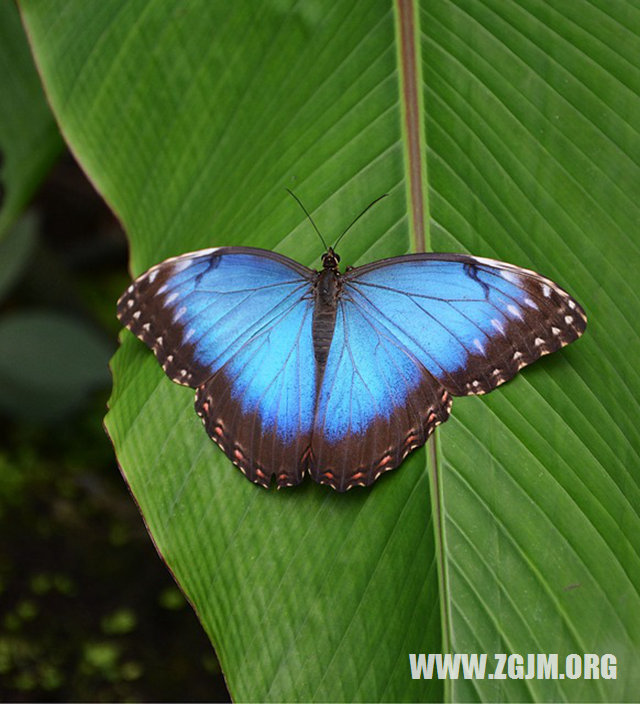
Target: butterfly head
[330,259]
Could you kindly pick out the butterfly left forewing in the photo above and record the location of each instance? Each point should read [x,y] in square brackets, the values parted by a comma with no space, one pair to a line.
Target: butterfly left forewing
[195,310]
[148,309]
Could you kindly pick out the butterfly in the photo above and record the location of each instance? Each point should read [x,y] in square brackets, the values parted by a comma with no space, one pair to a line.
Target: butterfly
[339,375]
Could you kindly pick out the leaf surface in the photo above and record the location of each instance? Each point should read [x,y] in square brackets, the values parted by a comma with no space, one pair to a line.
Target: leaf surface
[191,118]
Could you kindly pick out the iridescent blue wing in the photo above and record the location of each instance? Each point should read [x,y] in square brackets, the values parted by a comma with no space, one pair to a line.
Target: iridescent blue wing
[472,322]
[377,402]
[235,323]
[410,332]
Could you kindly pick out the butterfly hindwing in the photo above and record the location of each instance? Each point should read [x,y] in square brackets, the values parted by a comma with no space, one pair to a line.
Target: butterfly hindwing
[258,407]
[235,323]
[377,402]
[472,322]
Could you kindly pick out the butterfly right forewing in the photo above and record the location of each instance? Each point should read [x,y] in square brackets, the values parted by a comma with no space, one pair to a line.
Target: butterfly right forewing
[473,322]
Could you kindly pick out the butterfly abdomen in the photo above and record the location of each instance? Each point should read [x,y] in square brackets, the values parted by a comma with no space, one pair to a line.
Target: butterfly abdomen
[326,291]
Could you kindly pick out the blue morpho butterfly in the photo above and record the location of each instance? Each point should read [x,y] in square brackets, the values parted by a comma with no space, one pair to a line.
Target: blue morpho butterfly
[336,374]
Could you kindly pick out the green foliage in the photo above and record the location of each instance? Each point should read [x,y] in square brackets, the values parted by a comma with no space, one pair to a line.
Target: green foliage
[29,139]
[15,251]
[38,382]
[49,386]
[81,586]
[191,118]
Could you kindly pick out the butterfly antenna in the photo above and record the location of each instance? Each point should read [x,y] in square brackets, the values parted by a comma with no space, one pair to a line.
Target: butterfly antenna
[384,195]
[306,212]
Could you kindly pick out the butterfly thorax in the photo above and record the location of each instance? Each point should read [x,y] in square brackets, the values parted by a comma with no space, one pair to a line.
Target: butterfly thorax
[327,289]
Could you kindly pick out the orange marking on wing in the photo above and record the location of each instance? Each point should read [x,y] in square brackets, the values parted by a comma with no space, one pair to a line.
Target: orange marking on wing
[384,460]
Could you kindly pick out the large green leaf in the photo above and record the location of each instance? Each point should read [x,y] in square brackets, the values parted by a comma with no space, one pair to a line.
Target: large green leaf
[191,118]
